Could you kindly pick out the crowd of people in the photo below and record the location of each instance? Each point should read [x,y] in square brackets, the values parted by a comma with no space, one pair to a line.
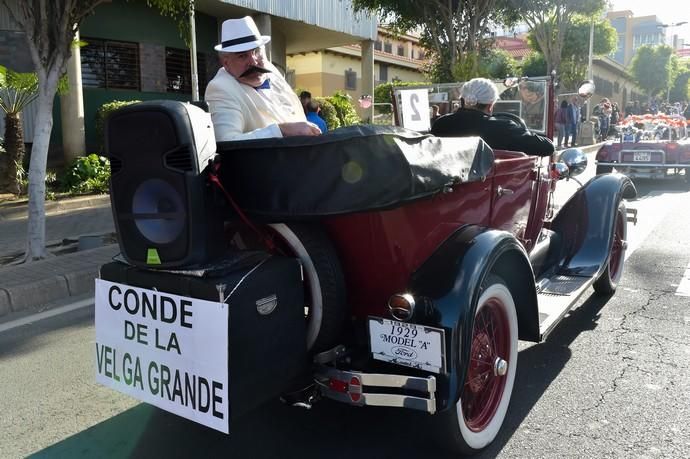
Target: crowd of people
[609,114]
[606,114]
[654,108]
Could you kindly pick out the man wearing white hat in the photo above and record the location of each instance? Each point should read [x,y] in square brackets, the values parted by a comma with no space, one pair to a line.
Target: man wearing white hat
[248,98]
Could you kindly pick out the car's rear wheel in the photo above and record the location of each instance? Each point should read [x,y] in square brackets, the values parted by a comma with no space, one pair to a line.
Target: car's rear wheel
[607,282]
[325,308]
[476,419]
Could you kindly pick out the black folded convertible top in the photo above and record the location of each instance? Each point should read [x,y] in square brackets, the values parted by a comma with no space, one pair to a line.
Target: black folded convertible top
[352,169]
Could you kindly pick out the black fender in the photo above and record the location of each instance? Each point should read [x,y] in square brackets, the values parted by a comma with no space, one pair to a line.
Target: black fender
[449,283]
[585,224]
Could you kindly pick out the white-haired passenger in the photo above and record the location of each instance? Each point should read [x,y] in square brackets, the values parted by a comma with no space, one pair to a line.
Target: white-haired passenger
[474,118]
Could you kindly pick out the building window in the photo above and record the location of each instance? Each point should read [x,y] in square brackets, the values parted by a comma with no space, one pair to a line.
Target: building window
[604,87]
[178,71]
[383,72]
[110,64]
[388,48]
[401,51]
[350,79]
[377,45]
[421,55]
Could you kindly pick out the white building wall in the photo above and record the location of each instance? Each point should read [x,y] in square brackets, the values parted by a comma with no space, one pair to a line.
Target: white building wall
[328,14]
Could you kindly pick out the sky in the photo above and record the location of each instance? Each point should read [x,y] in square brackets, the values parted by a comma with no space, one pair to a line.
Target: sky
[668,11]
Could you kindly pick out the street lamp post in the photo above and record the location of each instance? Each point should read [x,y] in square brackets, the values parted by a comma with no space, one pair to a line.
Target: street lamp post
[670,28]
[590,68]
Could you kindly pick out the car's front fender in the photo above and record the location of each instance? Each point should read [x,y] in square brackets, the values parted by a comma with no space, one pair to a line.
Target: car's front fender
[585,224]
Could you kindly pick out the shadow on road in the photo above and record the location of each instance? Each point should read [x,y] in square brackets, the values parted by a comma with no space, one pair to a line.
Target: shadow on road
[540,365]
[330,429]
[672,185]
[36,335]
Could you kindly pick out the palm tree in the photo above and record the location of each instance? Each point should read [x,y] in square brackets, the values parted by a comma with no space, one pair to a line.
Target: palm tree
[17,90]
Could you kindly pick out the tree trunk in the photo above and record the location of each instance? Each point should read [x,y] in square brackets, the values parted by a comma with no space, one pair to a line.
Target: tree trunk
[14,148]
[36,238]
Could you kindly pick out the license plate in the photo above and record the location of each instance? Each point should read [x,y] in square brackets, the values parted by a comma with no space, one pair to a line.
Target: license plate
[410,345]
[642,156]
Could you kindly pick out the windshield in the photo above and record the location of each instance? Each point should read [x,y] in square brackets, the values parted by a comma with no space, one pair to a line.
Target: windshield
[527,99]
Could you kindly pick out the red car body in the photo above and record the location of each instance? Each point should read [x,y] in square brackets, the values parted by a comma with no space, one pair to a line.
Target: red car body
[476,266]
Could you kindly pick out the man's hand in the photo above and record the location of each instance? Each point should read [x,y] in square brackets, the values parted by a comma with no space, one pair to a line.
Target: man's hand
[299,128]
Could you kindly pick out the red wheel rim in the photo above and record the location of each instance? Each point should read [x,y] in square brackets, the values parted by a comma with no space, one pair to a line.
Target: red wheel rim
[483,389]
[616,257]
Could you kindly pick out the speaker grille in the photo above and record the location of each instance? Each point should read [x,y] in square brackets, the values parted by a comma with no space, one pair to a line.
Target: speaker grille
[179,159]
[159,212]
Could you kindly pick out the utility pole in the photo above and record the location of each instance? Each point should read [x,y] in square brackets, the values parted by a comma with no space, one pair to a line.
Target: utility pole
[590,71]
[670,28]
[192,52]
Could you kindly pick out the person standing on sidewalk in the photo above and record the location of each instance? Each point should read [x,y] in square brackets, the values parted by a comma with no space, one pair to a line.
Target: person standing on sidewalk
[560,121]
[572,120]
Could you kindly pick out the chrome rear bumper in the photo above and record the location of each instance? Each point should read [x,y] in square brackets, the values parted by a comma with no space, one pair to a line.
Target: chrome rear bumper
[355,388]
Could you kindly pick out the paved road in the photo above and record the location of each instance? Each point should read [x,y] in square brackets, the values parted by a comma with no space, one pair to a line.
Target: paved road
[611,381]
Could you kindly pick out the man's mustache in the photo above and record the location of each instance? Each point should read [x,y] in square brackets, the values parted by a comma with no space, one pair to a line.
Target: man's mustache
[254,69]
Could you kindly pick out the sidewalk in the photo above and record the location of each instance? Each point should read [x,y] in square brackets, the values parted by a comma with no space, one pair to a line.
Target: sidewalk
[33,285]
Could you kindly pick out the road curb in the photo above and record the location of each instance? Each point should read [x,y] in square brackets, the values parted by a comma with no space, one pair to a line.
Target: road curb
[37,284]
[13,210]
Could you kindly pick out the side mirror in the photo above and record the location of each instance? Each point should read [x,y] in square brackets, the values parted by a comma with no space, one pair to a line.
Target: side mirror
[576,161]
[559,171]
[586,89]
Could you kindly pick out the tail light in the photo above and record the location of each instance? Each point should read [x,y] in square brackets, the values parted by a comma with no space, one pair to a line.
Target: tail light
[684,156]
[401,306]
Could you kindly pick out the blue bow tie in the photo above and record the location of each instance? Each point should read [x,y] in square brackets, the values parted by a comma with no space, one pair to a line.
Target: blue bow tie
[265,85]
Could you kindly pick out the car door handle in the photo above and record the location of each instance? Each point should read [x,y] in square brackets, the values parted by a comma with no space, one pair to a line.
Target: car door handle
[500,191]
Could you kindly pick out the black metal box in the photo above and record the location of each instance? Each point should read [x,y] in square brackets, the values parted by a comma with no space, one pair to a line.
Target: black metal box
[267,330]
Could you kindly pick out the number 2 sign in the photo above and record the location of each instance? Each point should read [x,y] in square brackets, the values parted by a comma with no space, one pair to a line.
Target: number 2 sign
[415,109]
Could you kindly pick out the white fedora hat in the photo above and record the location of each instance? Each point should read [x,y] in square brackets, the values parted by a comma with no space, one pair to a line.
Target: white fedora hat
[238,35]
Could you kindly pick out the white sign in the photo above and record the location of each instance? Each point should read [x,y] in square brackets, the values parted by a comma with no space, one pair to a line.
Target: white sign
[167,350]
[415,109]
[406,344]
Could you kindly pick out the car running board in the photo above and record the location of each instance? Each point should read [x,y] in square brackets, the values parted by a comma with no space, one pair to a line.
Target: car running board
[556,296]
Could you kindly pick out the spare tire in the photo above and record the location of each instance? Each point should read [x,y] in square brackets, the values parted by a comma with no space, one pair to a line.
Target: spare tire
[325,302]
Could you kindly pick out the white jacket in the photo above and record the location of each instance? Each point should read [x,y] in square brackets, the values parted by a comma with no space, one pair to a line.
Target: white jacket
[240,112]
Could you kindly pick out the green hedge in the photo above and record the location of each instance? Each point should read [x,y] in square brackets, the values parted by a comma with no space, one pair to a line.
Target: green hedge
[87,174]
[328,113]
[344,109]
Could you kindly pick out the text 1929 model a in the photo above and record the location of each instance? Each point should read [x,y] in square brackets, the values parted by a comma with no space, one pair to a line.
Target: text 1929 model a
[372,265]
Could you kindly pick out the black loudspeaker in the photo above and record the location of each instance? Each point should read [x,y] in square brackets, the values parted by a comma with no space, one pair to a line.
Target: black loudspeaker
[162,202]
